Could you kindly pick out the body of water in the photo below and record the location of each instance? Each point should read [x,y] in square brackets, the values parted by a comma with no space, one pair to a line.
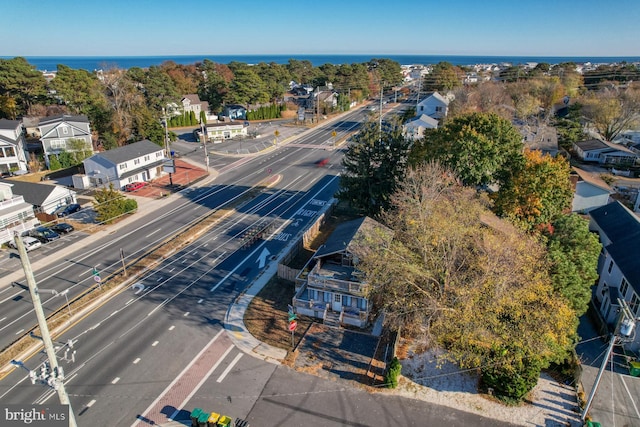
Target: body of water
[91,63]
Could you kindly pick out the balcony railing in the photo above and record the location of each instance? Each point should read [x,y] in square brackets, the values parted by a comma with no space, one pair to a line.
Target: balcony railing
[318,281]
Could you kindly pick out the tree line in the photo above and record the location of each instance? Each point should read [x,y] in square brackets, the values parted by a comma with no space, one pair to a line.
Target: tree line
[125,106]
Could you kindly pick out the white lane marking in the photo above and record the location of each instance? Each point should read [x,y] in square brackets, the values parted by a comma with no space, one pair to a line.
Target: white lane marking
[200,300]
[115,312]
[90,404]
[129,302]
[153,232]
[155,343]
[176,379]
[115,380]
[3,318]
[11,297]
[159,279]
[630,395]
[135,362]
[172,327]
[184,260]
[172,269]
[186,314]
[206,377]
[229,368]
[20,331]
[158,306]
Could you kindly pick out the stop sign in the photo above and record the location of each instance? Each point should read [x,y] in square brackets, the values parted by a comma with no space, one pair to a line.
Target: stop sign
[293,325]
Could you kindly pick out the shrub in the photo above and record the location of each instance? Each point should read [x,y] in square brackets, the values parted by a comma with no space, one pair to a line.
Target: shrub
[391,377]
[512,385]
[130,205]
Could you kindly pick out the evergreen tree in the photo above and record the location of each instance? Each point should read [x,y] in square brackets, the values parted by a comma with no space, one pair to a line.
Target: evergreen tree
[54,163]
[375,162]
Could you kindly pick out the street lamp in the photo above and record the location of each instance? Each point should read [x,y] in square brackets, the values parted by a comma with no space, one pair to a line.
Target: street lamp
[56,294]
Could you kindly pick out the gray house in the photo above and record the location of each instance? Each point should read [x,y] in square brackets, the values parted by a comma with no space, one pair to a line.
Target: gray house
[331,287]
[619,231]
[138,162]
[64,133]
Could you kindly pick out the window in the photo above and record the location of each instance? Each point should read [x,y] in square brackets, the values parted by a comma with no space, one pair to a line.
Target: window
[346,301]
[326,297]
[634,304]
[9,152]
[610,267]
[623,287]
[136,161]
[337,298]
[146,158]
[159,154]
[439,109]
[122,166]
[58,144]
[362,303]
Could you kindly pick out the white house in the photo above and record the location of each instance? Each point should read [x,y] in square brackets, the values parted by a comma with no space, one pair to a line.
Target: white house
[415,127]
[605,153]
[138,162]
[57,133]
[435,105]
[45,198]
[619,231]
[13,157]
[330,287]
[590,191]
[16,215]
[218,132]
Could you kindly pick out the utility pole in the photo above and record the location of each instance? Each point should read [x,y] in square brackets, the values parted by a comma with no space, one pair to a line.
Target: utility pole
[166,143]
[624,328]
[203,135]
[418,95]
[56,371]
[380,123]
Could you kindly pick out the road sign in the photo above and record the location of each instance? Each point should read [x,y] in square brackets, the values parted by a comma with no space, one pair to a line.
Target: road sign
[293,325]
[292,316]
[97,279]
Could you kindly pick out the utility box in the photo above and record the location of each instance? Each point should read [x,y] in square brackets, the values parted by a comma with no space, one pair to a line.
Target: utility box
[634,369]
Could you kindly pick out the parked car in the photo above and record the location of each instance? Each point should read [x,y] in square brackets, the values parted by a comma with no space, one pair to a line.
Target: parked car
[30,243]
[67,210]
[62,228]
[44,234]
[134,186]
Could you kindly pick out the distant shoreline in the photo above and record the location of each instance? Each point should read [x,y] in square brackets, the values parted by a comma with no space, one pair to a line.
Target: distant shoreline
[91,63]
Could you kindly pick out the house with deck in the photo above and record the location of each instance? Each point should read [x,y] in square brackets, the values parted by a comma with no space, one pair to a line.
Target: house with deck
[64,133]
[434,105]
[604,153]
[13,157]
[331,287]
[16,215]
[43,198]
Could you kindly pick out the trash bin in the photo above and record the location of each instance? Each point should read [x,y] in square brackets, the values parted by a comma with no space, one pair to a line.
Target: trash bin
[213,419]
[224,421]
[592,424]
[634,369]
[202,419]
[194,416]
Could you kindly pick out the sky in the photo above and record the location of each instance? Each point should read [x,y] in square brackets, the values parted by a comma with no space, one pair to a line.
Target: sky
[211,27]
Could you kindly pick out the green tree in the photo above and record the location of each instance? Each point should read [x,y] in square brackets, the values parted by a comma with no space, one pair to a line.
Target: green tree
[573,252]
[21,81]
[247,88]
[374,163]
[443,77]
[54,163]
[110,205]
[538,193]
[79,89]
[214,87]
[481,148]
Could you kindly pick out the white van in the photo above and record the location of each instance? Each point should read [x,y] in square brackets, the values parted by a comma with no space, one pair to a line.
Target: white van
[30,243]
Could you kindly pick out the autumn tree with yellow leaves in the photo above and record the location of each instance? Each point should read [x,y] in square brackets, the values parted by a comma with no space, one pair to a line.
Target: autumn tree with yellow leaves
[469,281]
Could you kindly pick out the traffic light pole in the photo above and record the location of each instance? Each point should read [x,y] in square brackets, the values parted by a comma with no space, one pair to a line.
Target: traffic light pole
[44,329]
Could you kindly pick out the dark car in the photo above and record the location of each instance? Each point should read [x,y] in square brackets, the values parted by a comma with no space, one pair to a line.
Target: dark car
[67,210]
[62,228]
[44,234]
